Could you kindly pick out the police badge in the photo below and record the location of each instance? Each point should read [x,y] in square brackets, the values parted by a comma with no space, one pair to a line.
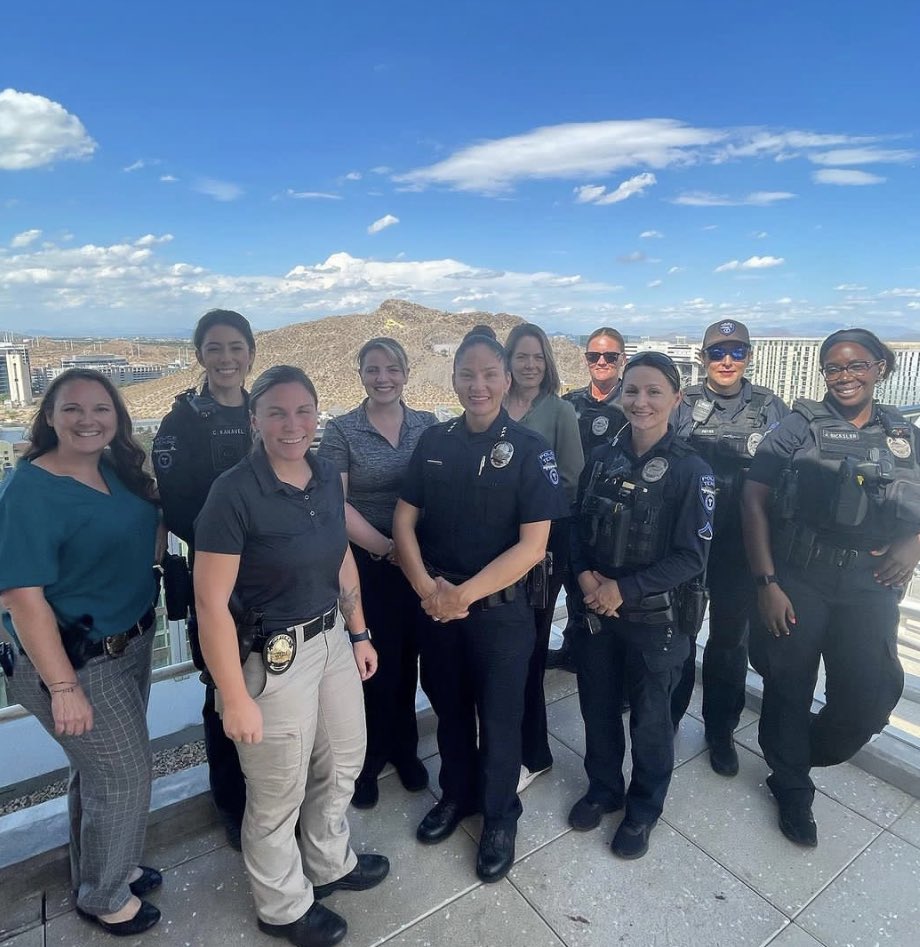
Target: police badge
[753,442]
[501,454]
[655,469]
[599,425]
[279,651]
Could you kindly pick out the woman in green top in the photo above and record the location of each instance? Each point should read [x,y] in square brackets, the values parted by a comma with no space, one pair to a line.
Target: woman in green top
[78,531]
[534,401]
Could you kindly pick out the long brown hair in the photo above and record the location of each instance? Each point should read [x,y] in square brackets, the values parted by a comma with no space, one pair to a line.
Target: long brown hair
[550,382]
[124,453]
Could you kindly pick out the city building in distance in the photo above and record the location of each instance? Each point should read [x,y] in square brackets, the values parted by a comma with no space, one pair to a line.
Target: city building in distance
[15,374]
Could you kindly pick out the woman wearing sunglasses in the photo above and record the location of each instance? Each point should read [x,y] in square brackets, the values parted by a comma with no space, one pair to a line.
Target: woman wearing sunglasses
[725,418]
[831,512]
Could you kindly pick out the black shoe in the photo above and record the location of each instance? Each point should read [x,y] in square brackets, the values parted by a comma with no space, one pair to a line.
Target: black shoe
[147,915]
[366,793]
[412,774]
[496,854]
[368,873]
[798,824]
[319,927]
[723,757]
[586,815]
[631,839]
[440,822]
[562,659]
[149,880]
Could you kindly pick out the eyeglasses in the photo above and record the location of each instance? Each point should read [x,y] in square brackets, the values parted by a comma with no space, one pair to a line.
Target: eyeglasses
[737,353]
[857,368]
[611,358]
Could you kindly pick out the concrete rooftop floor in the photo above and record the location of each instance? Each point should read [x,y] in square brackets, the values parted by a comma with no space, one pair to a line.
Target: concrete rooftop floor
[718,871]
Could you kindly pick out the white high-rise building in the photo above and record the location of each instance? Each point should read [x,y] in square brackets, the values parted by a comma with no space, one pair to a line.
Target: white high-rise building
[15,374]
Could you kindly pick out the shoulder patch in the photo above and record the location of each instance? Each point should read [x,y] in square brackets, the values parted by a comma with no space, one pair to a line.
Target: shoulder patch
[547,462]
[705,532]
[708,492]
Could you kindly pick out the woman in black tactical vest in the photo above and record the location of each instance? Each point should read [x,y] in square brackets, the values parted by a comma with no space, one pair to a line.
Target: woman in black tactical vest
[204,434]
[831,513]
[645,505]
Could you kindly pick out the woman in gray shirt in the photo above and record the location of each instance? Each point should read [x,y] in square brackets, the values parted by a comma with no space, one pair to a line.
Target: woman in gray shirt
[534,401]
[370,447]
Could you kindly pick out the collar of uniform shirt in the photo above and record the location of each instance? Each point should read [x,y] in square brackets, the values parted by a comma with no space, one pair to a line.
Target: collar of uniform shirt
[267,478]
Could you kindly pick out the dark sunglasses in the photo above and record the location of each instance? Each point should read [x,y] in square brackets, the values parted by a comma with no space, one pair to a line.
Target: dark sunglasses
[611,358]
[737,353]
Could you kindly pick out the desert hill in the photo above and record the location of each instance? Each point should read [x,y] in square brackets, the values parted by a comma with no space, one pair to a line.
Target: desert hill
[327,350]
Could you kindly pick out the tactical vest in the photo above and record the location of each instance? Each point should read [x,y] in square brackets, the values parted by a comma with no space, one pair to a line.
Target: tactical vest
[626,515]
[855,487]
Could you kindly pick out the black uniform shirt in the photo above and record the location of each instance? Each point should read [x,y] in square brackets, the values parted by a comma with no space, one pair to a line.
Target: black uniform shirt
[690,486]
[598,421]
[473,502]
[291,542]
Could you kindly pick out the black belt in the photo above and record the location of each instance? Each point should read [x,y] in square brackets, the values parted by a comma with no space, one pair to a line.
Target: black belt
[304,631]
[114,645]
[799,546]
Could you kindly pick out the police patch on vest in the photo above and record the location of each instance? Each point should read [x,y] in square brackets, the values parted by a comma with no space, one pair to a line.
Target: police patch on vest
[840,435]
[278,653]
[548,463]
[163,449]
[899,446]
[599,425]
[655,469]
[705,532]
[501,454]
[753,442]
[708,493]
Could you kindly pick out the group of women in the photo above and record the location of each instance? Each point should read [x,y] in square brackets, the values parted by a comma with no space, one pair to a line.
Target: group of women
[406,543]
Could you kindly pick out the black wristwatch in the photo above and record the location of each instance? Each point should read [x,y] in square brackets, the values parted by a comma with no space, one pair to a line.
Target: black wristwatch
[765,580]
[360,636]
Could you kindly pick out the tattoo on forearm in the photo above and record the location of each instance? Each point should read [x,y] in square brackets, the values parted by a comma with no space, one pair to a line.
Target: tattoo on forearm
[348,601]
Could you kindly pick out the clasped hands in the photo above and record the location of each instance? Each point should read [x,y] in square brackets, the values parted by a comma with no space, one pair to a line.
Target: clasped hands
[444,601]
[602,595]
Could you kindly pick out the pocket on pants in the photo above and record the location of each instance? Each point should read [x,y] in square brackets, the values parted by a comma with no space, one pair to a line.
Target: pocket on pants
[255,677]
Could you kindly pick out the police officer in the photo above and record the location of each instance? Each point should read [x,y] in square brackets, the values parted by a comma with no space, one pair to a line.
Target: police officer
[645,522]
[725,418]
[473,519]
[599,419]
[205,433]
[831,512]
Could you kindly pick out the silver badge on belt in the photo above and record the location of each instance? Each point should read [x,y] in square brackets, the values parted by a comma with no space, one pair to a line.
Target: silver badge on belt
[655,469]
[501,454]
[899,446]
[599,425]
[278,653]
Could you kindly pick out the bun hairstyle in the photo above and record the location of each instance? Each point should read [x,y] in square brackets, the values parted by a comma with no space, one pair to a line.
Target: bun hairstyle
[482,335]
[868,340]
[664,363]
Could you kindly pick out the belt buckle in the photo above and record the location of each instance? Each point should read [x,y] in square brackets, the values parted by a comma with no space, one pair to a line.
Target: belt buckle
[114,646]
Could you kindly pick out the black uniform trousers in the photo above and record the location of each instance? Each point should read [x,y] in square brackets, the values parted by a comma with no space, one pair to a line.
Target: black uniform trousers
[732,604]
[228,785]
[631,656]
[535,752]
[476,668]
[391,610]
[846,617]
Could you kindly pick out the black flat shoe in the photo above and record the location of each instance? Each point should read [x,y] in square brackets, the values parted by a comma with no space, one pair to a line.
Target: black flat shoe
[412,774]
[147,915]
[797,823]
[441,822]
[319,927]
[368,873]
[631,839]
[586,815]
[366,794]
[149,880]
[496,854]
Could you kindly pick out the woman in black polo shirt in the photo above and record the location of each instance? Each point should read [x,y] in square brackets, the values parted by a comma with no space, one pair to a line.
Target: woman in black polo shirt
[272,535]
[473,517]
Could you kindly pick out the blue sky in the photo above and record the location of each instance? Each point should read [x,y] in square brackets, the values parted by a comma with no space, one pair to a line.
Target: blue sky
[652,166]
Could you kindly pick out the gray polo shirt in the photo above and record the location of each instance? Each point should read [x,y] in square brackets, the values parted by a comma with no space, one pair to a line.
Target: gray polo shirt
[291,542]
[375,467]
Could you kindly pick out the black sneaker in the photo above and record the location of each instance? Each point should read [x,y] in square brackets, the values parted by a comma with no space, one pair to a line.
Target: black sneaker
[366,793]
[496,854]
[369,871]
[631,839]
[586,815]
[723,757]
[319,927]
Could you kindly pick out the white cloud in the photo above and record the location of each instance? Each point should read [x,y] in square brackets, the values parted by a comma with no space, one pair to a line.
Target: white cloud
[34,131]
[754,199]
[168,178]
[637,256]
[135,166]
[388,220]
[846,156]
[25,238]
[752,263]
[353,176]
[849,288]
[846,176]
[598,194]
[760,234]
[675,269]
[151,240]
[651,235]
[382,169]
[219,190]
[311,195]
[654,283]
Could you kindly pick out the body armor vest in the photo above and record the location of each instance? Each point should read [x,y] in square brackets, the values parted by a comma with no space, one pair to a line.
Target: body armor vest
[855,487]
[228,441]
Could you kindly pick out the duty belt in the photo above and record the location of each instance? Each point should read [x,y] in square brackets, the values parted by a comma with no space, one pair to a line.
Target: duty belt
[799,545]
[114,645]
[301,632]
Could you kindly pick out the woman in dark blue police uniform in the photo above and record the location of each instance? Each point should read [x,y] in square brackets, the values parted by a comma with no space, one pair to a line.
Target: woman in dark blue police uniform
[472,520]
[645,521]
[831,515]
[205,433]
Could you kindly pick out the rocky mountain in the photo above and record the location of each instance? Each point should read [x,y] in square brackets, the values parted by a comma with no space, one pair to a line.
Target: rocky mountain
[327,349]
